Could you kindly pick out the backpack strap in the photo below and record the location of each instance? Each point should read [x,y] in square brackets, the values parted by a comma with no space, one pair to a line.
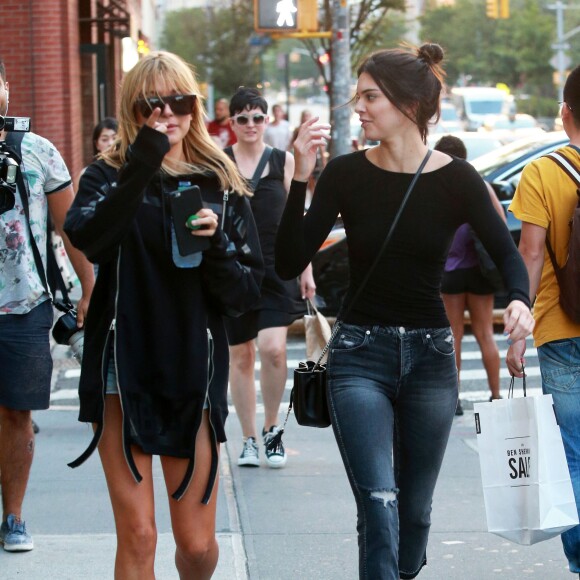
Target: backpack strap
[14,145]
[566,165]
[229,151]
[260,167]
[570,169]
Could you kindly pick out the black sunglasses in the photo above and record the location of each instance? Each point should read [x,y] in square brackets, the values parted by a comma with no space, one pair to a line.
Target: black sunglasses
[245,119]
[179,104]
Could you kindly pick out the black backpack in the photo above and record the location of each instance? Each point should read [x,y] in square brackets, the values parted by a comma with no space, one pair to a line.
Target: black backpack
[569,276]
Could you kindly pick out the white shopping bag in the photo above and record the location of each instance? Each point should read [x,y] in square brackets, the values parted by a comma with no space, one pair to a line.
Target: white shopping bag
[526,482]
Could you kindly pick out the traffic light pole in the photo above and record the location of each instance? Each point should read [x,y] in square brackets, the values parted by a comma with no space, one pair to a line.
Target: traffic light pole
[341,79]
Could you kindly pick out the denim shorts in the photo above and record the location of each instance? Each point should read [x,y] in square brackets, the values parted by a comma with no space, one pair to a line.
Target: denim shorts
[25,359]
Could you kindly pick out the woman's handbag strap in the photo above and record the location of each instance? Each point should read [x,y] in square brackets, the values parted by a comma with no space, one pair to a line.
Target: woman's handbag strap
[387,239]
[342,314]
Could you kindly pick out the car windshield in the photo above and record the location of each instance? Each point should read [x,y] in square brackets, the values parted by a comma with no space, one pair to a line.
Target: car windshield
[485,107]
[487,164]
[517,123]
[448,114]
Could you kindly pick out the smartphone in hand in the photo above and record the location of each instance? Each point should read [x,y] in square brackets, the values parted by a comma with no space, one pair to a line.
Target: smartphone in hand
[184,204]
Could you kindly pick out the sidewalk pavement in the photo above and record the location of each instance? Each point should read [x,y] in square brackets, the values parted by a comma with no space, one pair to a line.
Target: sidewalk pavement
[296,523]
[299,522]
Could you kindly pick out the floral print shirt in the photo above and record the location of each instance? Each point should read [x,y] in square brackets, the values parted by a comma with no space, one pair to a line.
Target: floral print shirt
[21,287]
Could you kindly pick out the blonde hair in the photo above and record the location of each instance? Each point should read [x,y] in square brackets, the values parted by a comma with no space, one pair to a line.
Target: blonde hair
[202,154]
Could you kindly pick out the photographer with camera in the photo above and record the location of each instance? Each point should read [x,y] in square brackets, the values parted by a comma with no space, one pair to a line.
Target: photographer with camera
[33,181]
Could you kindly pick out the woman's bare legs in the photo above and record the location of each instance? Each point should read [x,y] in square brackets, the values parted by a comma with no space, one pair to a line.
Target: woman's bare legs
[274,371]
[481,310]
[193,523]
[243,385]
[133,503]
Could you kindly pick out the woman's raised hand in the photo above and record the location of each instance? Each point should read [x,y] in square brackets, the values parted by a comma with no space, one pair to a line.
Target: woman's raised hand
[311,136]
[153,121]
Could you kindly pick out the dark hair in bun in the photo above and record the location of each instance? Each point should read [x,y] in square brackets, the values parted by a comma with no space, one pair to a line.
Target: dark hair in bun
[411,78]
[431,53]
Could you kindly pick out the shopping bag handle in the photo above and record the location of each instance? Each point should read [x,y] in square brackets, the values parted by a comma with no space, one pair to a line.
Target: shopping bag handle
[511,387]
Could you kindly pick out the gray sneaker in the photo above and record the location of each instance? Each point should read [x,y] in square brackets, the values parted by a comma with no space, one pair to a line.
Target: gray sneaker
[249,456]
[14,536]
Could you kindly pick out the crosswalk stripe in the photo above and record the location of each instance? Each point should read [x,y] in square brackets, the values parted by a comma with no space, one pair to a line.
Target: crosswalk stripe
[465,375]
[293,363]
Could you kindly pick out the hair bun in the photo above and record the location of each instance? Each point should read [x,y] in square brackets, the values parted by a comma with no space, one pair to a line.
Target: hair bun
[431,53]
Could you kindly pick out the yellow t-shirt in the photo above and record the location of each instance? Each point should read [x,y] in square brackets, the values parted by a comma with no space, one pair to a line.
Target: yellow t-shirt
[546,197]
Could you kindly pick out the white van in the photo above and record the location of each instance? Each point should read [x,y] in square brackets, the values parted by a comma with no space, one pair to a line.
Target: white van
[475,103]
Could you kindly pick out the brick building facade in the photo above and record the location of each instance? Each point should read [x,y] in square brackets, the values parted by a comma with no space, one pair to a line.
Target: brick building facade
[63,64]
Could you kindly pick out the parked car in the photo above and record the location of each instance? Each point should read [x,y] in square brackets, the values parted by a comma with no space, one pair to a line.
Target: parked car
[502,168]
[475,103]
[476,143]
[449,120]
[511,127]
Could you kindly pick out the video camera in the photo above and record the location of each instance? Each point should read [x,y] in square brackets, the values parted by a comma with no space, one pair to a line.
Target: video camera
[9,163]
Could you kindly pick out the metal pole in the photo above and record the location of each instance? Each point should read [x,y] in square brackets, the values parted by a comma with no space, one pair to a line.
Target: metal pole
[341,79]
[560,31]
[287,78]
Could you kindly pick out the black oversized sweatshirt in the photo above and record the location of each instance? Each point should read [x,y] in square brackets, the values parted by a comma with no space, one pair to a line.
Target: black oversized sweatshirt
[164,322]
[405,287]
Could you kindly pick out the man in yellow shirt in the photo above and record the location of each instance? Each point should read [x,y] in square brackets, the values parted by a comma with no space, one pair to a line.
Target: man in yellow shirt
[544,201]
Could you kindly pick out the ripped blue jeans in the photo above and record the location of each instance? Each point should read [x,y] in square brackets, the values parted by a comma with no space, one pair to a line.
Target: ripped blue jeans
[392,395]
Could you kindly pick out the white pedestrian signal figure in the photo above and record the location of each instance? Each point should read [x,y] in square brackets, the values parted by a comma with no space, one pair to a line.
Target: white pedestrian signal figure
[286,10]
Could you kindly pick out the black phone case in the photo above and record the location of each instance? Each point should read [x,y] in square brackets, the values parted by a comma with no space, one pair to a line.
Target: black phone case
[183,204]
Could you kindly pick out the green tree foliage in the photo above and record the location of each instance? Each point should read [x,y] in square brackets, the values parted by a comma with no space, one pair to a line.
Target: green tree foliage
[479,50]
[216,42]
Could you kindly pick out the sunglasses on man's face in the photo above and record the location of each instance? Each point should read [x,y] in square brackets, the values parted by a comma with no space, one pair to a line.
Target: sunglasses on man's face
[245,119]
[179,104]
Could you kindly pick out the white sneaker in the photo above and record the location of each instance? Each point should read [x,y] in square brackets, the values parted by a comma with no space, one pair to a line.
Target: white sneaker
[249,456]
[275,458]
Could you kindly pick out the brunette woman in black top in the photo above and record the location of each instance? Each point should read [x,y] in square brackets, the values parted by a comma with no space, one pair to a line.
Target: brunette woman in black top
[391,367]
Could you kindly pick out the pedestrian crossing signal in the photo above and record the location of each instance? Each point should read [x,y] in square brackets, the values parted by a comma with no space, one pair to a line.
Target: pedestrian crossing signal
[276,15]
[286,16]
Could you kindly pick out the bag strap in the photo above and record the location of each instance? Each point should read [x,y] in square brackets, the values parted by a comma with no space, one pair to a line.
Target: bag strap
[511,387]
[344,311]
[260,167]
[571,170]
[566,164]
[229,151]
[14,145]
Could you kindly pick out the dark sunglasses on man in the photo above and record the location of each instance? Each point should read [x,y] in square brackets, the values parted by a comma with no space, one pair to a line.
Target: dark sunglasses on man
[179,104]
[245,119]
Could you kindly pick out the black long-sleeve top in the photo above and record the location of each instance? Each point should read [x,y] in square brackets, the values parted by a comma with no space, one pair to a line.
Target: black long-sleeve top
[405,287]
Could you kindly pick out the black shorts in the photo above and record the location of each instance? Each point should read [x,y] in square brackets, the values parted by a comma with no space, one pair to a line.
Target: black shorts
[25,359]
[465,280]
[246,327]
